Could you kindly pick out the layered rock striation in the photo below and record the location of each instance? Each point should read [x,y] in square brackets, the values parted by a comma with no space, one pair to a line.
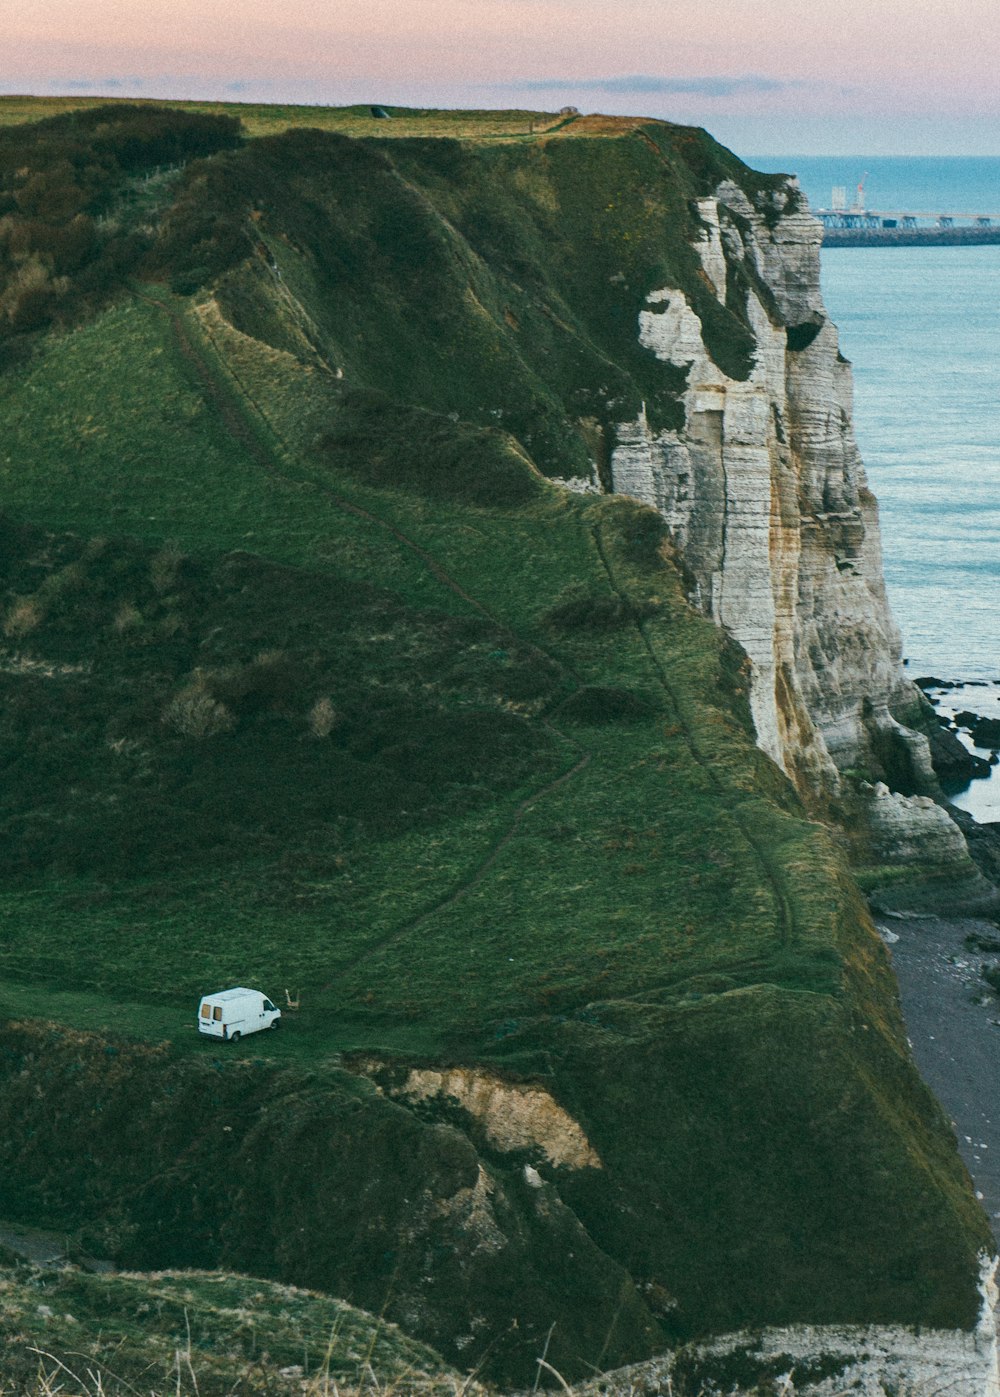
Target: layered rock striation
[765,495]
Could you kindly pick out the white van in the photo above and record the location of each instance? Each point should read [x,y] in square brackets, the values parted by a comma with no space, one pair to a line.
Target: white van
[232,1013]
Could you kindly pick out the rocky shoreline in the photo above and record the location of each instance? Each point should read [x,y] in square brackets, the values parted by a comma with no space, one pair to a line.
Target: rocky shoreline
[952,1016]
[982,730]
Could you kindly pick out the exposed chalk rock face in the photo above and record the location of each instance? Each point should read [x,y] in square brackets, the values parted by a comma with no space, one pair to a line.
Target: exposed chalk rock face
[579,484]
[472,1208]
[765,495]
[511,1116]
[916,833]
[911,830]
[828,1361]
[865,1362]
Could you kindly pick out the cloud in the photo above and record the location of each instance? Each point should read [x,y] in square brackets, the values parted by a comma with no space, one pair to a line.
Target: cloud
[100,85]
[647,83]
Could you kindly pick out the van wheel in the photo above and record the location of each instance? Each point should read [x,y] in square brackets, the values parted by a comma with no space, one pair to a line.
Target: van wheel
[234,1037]
[275,1023]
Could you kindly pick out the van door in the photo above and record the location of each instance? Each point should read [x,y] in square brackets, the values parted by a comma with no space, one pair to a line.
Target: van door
[210,1019]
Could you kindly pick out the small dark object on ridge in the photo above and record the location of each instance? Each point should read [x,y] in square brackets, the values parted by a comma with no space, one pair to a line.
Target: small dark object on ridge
[381,113]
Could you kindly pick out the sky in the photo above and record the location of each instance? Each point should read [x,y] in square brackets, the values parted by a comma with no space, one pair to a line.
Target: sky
[767,77]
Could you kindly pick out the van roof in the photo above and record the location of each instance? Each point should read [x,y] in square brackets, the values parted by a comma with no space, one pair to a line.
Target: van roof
[230,994]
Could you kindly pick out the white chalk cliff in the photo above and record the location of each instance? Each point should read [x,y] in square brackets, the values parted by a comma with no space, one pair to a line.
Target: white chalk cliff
[766,498]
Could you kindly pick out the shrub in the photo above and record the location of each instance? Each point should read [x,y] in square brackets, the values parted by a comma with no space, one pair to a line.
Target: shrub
[269,682]
[52,194]
[127,618]
[56,174]
[590,613]
[388,444]
[597,704]
[25,615]
[640,531]
[322,718]
[30,275]
[141,138]
[165,567]
[195,713]
[33,309]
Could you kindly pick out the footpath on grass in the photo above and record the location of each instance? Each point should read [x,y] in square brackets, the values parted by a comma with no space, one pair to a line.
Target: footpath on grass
[241,413]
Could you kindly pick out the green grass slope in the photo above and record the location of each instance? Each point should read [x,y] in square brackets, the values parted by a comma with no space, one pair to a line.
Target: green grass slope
[311,678]
[202,1333]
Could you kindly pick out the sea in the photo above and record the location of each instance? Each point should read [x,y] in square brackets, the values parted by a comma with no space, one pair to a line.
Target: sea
[921,327]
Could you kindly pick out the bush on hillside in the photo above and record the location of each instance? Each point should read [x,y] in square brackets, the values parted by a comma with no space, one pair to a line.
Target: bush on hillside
[391,445]
[205,230]
[596,613]
[639,530]
[57,176]
[195,713]
[168,708]
[596,704]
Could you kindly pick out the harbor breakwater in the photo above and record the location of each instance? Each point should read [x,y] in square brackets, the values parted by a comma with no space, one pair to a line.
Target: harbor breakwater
[910,237]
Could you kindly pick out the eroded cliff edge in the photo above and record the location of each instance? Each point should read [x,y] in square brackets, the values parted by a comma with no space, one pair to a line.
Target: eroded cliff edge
[391,717]
[765,496]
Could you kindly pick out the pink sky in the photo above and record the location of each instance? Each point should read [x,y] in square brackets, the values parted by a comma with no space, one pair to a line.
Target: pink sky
[879,76]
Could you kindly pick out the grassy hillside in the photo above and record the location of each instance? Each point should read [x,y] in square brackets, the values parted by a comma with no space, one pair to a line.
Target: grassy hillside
[202,1333]
[270,119]
[311,677]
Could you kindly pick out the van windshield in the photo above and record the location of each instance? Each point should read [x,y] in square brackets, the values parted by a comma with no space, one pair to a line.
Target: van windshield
[268,1006]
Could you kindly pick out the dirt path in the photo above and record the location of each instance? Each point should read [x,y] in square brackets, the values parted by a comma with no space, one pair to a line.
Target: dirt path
[953,1022]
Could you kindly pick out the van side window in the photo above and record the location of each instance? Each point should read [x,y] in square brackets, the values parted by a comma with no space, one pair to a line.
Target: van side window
[268,1006]
[206,1011]
[217,1013]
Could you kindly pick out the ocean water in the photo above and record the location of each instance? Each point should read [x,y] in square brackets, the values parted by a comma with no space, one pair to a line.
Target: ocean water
[916,184]
[922,329]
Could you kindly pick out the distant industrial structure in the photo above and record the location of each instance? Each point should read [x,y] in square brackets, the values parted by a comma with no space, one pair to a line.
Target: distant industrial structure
[858,216]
